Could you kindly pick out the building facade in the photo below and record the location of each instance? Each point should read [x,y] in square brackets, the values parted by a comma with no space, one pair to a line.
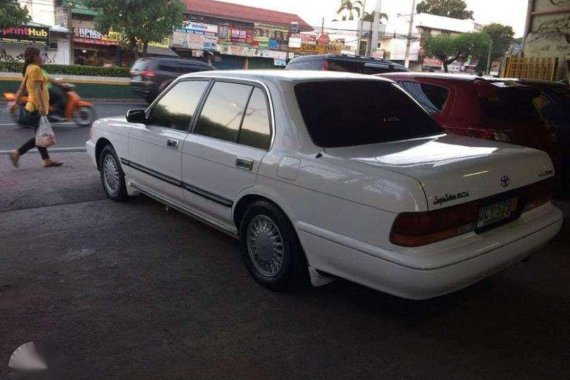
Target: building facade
[547,33]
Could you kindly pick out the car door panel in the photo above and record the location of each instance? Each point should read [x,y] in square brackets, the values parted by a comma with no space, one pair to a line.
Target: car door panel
[155,149]
[216,168]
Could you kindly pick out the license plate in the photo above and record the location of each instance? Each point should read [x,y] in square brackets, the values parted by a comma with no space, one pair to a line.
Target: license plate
[496,212]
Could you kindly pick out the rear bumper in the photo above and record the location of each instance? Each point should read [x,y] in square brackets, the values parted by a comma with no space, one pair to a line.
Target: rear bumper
[414,281]
[143,88]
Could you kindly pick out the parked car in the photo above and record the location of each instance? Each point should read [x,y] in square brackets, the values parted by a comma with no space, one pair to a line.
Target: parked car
[150,76]
[367,188]
[491,109]
[344,63]
[556,110]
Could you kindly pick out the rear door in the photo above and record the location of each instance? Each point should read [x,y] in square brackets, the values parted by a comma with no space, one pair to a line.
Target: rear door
[222,156]
[154,152]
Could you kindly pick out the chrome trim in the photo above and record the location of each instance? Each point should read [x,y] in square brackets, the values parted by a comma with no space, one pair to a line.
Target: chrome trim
[204,219]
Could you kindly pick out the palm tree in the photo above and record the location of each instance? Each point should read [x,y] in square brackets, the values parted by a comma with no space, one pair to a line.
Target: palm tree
[370,17]
[348,6]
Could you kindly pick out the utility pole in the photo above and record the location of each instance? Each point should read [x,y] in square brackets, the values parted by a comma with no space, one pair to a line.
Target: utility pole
[360,27]
[409,42]
[69,12]
[375,28]
[488,71]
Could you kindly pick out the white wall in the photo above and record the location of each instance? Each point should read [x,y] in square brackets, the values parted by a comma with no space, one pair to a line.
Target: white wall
[41,11]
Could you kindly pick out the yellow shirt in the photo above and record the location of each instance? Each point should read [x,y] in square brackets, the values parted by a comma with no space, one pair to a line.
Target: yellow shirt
[35,74]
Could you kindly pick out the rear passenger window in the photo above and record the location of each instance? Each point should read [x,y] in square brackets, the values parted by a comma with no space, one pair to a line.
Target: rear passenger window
[306,64]
[177,107]
[223,111]
[431,97]
[256,129]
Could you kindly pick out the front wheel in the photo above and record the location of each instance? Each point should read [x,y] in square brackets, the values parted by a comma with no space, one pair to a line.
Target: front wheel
[112,176]
[84,116]
[271,249]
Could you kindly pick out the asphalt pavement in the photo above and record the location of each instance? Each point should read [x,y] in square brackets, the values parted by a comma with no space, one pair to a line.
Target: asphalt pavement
[133,291]
[69,135]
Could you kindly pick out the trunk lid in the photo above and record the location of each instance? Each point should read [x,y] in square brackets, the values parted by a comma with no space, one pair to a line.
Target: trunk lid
[455,169]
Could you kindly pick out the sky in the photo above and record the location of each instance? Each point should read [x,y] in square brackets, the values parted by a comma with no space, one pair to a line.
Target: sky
[508,12]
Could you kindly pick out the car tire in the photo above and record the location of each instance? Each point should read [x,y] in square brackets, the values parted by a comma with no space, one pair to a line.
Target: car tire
[271,249]
[112,175]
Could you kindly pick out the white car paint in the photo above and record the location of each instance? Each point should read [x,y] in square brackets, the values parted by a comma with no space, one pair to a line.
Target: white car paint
[344,201]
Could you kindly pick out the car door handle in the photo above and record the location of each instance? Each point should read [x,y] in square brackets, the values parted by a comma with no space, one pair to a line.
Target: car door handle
[172,144]
[244,163]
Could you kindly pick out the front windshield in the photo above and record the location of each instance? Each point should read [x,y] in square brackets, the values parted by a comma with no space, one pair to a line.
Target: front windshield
[341,113]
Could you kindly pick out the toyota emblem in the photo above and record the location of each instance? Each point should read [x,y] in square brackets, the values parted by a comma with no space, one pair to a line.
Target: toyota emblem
[505,181]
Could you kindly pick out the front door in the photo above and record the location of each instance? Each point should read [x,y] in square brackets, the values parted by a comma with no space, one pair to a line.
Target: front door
[221,157]
[154,154]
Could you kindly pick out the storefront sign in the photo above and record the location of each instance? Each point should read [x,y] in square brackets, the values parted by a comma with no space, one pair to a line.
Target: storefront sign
[165,43]
[197,27]
[239,50]
[264,33]
[194,41]
[432,62]
[309,39]
[26,35]
[93,37]
[295,41]
[321,49]
[278,55]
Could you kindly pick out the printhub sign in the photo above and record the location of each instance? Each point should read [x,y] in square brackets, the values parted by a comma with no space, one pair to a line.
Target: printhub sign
[26,35]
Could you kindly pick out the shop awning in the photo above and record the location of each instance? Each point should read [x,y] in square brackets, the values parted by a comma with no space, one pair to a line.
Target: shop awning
[166,52]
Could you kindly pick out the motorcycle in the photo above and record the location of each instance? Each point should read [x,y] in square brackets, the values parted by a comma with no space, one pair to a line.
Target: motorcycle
[76,109]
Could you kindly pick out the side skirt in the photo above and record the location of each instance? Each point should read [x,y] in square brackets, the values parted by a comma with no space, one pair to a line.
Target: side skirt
[198,216]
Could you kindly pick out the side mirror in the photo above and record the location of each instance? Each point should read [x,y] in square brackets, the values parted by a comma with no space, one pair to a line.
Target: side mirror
[136,116]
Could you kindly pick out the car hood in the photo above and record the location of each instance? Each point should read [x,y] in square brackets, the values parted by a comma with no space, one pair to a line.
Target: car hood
[455,169]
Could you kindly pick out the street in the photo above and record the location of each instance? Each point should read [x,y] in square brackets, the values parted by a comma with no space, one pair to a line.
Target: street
[69,135]
[133,291]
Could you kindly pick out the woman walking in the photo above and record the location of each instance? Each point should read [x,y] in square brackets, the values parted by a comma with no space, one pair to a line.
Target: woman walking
[35,82]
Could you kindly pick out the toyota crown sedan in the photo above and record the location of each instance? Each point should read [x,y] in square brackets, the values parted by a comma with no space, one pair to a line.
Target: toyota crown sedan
[331,175]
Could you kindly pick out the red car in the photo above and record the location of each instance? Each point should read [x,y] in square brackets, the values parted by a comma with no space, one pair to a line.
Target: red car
[491,109]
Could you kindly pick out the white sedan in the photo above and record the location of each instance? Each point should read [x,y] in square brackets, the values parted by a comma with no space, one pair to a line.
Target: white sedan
[334,175]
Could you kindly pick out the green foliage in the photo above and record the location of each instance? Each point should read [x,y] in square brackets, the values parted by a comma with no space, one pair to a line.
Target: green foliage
[370,17]
[139,21]
[447,8]
[349,7]
[11,14]
[502,37]
[16,67]
[451,48]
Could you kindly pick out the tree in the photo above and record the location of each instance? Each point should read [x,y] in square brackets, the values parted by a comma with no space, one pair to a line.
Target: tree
[138,21]
[11,14]
[451,48]
[447,8]
[348,6]
[368,16]
[502,37]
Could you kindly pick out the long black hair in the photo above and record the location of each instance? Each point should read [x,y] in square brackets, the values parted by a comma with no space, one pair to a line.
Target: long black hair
[30,56]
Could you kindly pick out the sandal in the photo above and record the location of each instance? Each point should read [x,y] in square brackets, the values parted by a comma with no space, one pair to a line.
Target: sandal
[14,157]
[53,164]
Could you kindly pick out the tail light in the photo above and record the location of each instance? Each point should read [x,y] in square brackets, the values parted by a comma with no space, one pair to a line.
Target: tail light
[147,74]
[326,65]
[414,229]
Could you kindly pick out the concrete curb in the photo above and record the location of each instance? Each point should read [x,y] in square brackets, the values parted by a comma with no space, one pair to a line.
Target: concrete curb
[115,81]
[74,149]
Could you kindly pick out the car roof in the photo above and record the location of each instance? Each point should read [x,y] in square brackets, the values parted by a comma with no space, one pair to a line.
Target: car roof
[284,75]
[443,76]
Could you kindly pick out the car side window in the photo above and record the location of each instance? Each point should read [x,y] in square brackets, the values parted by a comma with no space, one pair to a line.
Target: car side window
[223,111]
[256,128]
[306,64]
[177,107]
[431,97]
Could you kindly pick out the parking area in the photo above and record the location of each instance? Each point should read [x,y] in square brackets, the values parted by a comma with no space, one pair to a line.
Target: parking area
[132,291]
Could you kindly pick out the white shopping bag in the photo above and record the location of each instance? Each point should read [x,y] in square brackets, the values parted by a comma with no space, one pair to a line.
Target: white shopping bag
[45,135]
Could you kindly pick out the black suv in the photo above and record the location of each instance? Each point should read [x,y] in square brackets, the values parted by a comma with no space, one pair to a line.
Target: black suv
[346,63]
[149,76]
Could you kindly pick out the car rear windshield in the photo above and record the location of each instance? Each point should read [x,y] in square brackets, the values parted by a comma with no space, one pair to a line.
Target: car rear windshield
[140,64]
[342,113]
[512,104]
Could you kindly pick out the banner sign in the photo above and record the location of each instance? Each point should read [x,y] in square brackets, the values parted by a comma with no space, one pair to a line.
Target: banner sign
[240,50]
[194,41]
[26,35]
[321,49]
[264,33]
[199,28]
[93,37]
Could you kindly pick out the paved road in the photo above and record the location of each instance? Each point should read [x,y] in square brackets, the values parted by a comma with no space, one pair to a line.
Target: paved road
[68,134]
[131,291]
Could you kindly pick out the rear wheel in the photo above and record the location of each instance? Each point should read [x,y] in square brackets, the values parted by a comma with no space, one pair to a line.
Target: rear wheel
[84,116]
[271,249]
[112,176]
